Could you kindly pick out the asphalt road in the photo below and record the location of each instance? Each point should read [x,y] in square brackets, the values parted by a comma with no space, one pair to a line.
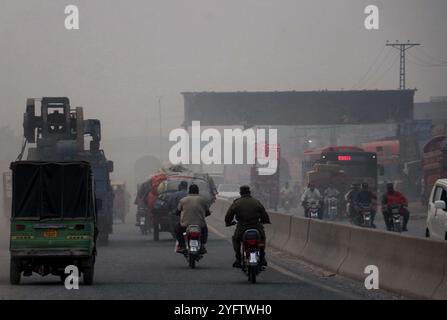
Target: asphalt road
[134,267]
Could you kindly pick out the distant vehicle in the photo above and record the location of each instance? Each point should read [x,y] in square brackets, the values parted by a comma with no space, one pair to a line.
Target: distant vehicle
[434,163]
[356,164]
[54,219]
[436,226]
[159,217]
[228,191]
[7,194]
[121,201]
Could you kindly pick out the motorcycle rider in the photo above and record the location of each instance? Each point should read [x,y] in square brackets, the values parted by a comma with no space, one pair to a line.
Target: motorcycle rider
[286,195]
[367,197]
[175,198]
[249,214]
[142,208]
[193,209]
[394,197]
[350,197]
[311,194]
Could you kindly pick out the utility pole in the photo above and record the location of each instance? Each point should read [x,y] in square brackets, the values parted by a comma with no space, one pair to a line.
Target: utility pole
[402,47]
[161,128]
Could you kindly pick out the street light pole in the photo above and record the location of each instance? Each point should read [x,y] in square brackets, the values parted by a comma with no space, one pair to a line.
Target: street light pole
[161,128]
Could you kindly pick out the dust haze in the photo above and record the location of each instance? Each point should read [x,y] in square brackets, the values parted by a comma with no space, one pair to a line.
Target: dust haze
[130,55]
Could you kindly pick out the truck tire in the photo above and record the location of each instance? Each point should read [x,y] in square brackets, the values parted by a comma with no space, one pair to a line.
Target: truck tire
[89,273]
[156,232]
[14,272]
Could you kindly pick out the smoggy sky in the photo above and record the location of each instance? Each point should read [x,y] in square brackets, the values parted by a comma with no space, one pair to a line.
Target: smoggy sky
[128,53]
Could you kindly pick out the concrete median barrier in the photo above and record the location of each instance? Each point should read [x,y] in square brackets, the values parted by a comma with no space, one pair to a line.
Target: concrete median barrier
[411,267]
[299,230]
[278,232]
[327,244]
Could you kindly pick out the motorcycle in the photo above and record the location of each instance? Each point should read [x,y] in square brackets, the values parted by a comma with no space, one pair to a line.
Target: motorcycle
[396,218]
[193,252]
[250,254]
[365,210]
[332,208]
[313,207]
[143,221]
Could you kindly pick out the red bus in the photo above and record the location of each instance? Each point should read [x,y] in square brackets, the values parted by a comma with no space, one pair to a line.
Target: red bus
[356,164]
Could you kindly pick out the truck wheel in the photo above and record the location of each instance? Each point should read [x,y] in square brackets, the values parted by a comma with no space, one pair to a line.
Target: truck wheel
[156,232]
[89,273]
[14,272]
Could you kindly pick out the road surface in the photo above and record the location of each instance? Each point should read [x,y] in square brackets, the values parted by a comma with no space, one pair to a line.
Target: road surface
[134,267]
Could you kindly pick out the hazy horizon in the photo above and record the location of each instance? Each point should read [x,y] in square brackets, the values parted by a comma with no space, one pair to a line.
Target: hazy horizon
[127,54]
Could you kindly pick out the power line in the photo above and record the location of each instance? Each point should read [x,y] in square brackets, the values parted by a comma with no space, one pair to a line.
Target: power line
[393,63]
[402,47]
[431,57]
[424,63]
[355,87]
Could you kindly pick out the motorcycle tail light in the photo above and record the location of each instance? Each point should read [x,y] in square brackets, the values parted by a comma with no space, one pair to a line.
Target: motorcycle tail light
[194,235]
[252,242]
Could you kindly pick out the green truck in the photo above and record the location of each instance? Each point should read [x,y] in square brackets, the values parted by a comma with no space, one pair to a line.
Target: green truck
[54,219]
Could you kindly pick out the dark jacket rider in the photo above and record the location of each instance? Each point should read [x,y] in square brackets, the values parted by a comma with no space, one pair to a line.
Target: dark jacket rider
[366,196]
[249,214]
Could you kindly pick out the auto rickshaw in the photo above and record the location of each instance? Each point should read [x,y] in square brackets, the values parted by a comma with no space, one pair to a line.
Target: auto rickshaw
[54,219]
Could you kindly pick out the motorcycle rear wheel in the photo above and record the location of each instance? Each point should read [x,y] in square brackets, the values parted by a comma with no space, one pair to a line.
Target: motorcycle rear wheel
[252,274]
[192,262]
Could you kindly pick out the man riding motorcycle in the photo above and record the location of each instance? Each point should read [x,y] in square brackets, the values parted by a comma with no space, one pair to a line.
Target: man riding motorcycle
[286,196]
[309,195]
[193,209]
[365,197]
[349,198]
[249,214]
[393,197]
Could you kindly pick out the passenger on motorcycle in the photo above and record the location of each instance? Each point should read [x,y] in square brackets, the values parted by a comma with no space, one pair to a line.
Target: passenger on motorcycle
[249,214]
[193,209]
[394,197]
[365,197]
[309,195]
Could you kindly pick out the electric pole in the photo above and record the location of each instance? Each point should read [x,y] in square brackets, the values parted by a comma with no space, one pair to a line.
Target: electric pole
[402,47]
[161,128]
